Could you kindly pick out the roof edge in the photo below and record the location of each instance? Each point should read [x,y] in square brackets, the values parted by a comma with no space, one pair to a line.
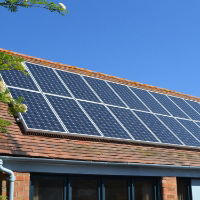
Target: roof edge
[91,73]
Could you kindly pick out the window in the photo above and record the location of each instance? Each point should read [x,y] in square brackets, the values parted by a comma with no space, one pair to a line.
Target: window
[116,188]
[78,187]
[144,189]
[47,187]
[184,189]
[84,188]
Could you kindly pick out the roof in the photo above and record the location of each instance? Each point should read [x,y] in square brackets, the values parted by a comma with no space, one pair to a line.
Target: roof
[18,143]
[99,75]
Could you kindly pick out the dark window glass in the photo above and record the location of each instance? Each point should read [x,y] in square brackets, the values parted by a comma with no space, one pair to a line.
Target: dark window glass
[144,189]
[183,189]
[47,188]
[50,187]
[116,189]
[84,188]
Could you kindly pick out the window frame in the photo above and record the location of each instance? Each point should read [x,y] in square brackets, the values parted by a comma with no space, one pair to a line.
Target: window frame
[101,187]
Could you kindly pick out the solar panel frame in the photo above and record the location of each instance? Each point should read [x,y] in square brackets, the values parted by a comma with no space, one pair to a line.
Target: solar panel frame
[131,96]
[107,114]
[193,114]
[39,88]
[179,132]
[50,111]
[174,109]
[93,97]
[76,113]
[136,135]
[101,91]
[164,131]
[195,105]
[150,105]
[191,126]
[21,80]
[47,80]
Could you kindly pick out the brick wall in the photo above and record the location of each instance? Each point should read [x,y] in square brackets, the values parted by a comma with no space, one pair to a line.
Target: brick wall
[22,186]
[169,188]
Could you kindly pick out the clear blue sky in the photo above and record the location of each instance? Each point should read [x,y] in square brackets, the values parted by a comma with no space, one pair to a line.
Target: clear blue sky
[155,42]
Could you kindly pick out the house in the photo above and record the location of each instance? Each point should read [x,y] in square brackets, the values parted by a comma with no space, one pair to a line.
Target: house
[91,136]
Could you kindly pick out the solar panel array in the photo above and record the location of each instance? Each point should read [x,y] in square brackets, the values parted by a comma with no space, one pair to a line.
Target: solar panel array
[64,102]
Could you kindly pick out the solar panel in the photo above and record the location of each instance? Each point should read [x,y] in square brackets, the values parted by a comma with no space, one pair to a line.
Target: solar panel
[180,131]
[169,105]
[77,86]
[18,79]
[86,106]
[192,127]
[104,120]
[104,92]
[133,124]
[149,101]
[128,97]
[186,108]
[39,115]
[47,80]
[72,116]
[158,128]
[195,105]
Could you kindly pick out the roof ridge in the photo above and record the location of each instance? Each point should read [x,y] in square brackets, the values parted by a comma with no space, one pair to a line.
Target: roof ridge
[100,75]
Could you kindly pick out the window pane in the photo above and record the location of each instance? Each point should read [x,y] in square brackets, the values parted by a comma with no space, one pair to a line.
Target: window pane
[50,188]
[116,189]
[84,188]
[144,189]
[183,189]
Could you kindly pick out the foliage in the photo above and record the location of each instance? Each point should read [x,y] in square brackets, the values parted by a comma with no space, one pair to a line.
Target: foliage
[3,127]
[13,5]
[9,62]
[3,197]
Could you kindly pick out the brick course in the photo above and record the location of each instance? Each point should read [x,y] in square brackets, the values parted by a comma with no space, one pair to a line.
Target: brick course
[169,188]
[22,186]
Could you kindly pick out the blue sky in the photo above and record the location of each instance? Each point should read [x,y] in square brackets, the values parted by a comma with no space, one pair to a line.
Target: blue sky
[155,42]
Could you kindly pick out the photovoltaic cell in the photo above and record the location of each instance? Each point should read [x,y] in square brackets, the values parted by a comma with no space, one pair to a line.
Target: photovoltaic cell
[18,79]
[104,92]
[195,105]
[169,105]
[192,127]
[47,80]
[128,97]
[104,120]
[149,101]
[39,114]
[72,116]
[133,124]
[180,131]
[186,108]
[158,128]
[77,86]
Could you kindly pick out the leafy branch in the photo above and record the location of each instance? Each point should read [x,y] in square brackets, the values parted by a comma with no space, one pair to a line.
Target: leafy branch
[9,62]
[13,5]
[3,197]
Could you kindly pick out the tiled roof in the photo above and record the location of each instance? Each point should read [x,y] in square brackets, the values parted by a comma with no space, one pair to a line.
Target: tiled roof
[99,75]
[16,143]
